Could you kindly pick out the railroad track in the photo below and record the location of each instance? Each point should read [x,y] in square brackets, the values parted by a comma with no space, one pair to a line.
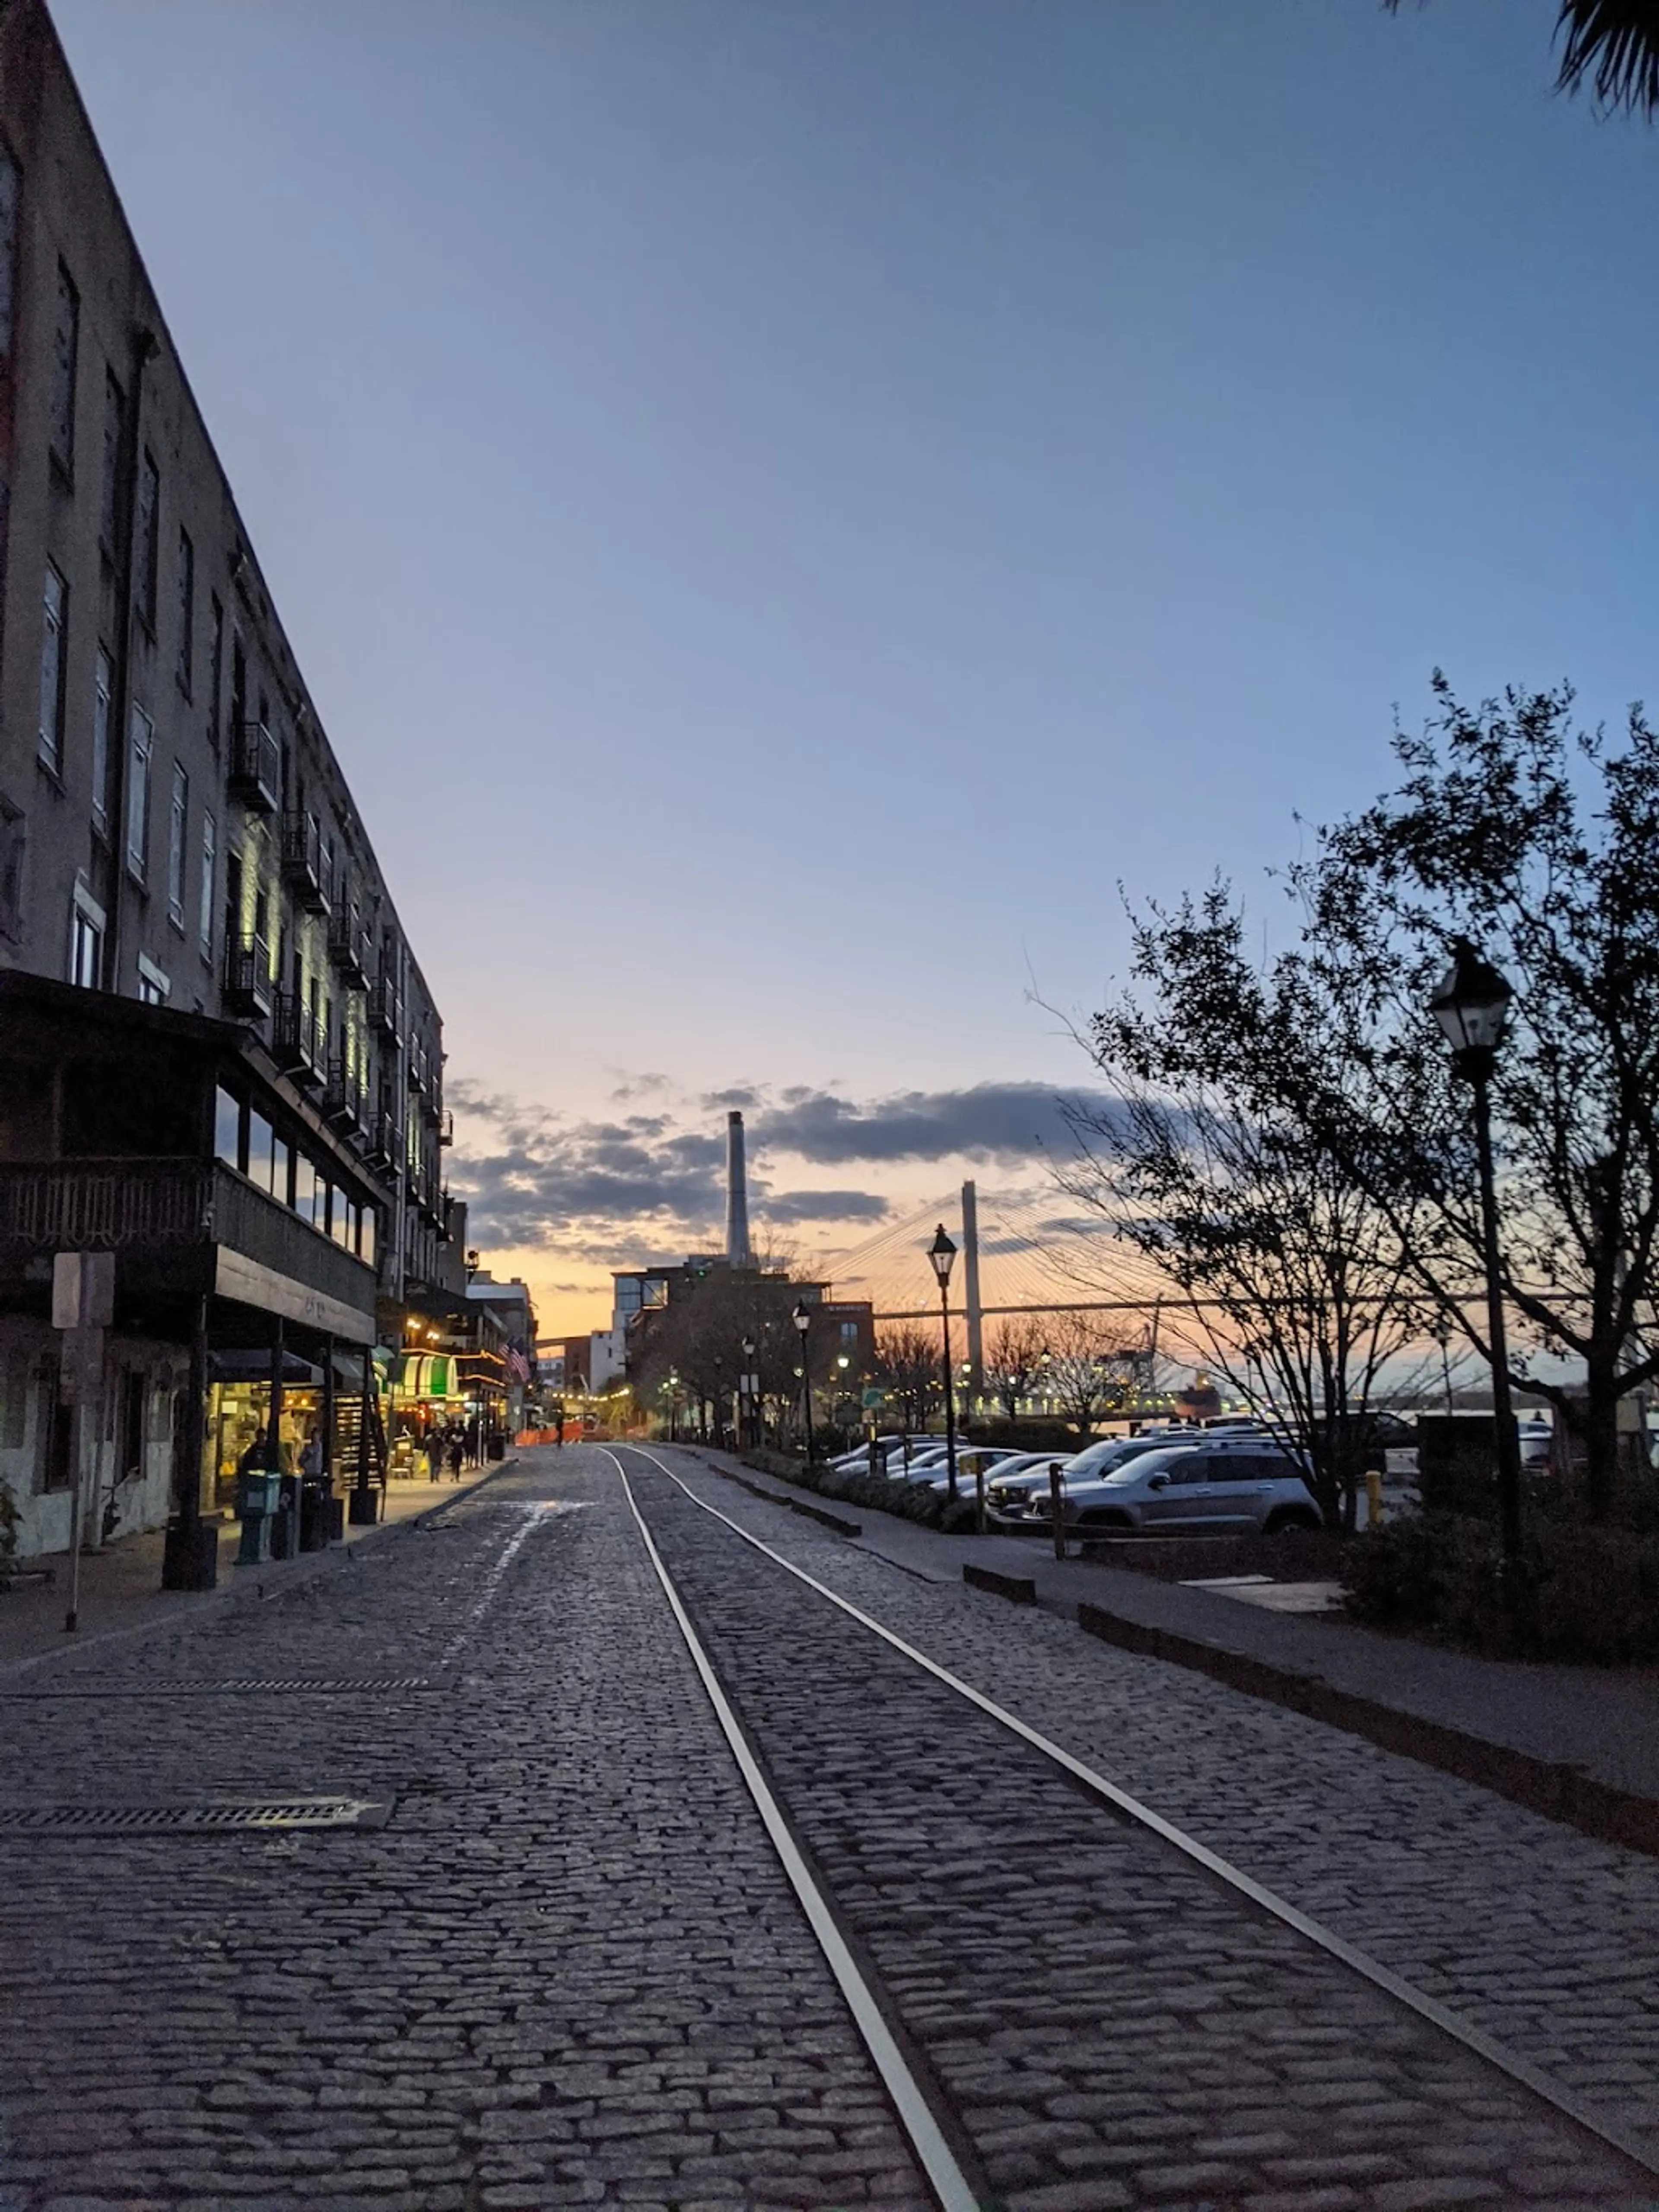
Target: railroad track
[1072,2003]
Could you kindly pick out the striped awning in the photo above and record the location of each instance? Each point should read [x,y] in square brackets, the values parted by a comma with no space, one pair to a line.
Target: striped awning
[425,1374]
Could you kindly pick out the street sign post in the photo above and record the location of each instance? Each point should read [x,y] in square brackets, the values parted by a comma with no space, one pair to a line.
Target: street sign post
[82,1307]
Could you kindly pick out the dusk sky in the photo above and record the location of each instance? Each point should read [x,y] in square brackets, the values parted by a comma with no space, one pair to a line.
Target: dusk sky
[782,507]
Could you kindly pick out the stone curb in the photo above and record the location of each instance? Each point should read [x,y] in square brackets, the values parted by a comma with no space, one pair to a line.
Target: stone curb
[1019,1589]
[818,1513]
[1558,1791]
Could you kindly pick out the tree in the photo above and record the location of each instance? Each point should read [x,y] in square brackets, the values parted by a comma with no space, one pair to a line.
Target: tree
[1540,845]
[1215,1158]
[908,1365]
[1610,45]
[1014,1360]
[1087,1366]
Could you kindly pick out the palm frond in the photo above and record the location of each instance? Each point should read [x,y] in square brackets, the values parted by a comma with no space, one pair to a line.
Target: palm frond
[1613,46]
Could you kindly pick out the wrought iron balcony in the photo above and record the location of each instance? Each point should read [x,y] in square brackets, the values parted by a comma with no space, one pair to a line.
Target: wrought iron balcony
[248,992]
[348,948]
[302,861]
[296,1039]
[253,772]
[342,1097]
[384,1012]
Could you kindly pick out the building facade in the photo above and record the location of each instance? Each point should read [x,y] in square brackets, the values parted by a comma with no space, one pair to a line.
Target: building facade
[183,864]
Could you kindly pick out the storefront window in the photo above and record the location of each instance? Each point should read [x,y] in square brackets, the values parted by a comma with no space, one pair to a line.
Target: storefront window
[259,1135]
[226,1128]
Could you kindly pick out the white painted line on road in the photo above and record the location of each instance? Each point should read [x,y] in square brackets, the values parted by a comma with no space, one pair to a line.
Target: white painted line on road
[533,1513]
[949,2185]
[1565,2099]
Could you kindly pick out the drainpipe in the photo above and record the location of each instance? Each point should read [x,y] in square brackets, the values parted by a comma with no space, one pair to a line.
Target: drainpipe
[145,347]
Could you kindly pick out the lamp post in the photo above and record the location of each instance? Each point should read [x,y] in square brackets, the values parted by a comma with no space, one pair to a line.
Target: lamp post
[942,1252]
[803,1319]
[746,1396]
[1472,1006]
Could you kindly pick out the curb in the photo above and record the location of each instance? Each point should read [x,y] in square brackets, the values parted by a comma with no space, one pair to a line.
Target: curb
[827,1520]
[1558,1791]
[307,1567]
[1019,1589]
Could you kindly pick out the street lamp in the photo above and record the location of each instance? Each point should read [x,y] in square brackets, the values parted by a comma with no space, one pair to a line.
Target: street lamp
[803,1319]
[746,1396]
[1472,1006]
[942,1252]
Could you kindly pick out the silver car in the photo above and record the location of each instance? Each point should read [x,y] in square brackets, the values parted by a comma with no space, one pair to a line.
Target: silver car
[1193,1490]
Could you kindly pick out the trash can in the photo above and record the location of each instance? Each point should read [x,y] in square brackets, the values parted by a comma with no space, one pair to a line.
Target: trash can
[336,1518]
[313,1516]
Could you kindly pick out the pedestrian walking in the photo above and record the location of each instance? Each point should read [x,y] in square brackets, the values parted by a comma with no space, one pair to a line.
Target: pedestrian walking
[434,1452]
[456,1455]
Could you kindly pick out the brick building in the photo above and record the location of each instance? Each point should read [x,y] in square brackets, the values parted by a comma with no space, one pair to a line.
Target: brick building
[220,1057]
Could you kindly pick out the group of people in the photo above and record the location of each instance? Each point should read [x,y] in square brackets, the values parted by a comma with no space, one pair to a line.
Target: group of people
[444,1444]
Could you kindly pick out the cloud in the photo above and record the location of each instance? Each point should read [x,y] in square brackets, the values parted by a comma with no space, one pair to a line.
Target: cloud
[824,1205]
[987,1121]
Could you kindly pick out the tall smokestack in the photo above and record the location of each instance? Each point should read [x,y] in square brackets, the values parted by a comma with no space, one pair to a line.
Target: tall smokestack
[737,1196]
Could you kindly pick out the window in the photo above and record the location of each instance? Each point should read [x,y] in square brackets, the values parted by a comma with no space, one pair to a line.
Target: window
[154,984]
[103,684]
[147,551]
[115,421]
[226,1128]
[142,742]
[53,654]
[259,1150]
[304,1186]
[187,611]
[86,964]
[65,345]
[216,666]
[178,832]
[366,1235]
[204,904]
[280,1155]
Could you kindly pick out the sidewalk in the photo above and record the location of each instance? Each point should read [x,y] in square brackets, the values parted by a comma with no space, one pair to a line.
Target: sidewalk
[1578,1743]
[121,1592]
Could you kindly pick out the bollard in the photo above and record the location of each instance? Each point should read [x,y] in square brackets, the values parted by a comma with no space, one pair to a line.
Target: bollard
[1373,1498]
[1057,1508]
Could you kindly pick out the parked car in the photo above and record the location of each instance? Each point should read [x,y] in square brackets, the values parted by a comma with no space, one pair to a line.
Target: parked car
[1242,1483]
[970,1458]
[1025,1496]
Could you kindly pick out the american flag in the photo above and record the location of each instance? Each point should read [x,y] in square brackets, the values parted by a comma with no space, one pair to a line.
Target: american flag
[517,1365]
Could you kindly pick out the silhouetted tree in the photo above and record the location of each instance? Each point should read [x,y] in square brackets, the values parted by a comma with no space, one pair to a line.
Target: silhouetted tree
[1613,46]
[1014,1360]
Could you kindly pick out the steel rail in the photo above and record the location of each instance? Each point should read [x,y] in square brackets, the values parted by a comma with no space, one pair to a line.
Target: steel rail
[1557,2094]
[915,2114]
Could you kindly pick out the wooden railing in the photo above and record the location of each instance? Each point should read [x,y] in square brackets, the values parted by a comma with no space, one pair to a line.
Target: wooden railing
[115,1205]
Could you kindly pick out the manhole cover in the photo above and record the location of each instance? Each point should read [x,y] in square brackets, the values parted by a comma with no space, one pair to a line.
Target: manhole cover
[220,1817]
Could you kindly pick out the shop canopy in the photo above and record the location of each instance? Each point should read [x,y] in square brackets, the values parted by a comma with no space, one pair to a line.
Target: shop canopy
[426,1375]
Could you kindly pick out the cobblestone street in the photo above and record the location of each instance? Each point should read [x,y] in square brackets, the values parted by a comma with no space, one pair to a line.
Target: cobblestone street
[568,1969]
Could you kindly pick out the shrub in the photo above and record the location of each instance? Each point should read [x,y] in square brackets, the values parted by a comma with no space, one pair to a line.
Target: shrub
[1585,1593]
